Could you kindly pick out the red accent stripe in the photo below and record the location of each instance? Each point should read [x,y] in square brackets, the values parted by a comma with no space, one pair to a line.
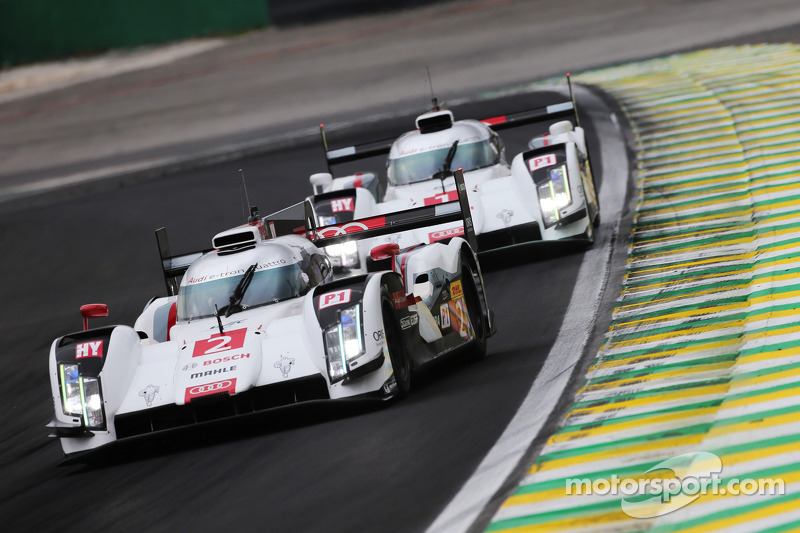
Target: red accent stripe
[495,120]
[403,260]
[172,317]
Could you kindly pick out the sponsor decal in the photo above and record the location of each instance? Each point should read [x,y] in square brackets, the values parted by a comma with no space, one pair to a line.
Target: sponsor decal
[401,301]
[442,198]
[342,204]
[237,272]
[335,298]
[226,359]
[220,342]
[378,335]
[285,365]
[223,370]
[188,367]
[444,316]
[351,227]
[505,215]
[455,290]
[149,394]
[461,317]
[445,234]
[409,321]
[542,161]
[226,385]
[89,349]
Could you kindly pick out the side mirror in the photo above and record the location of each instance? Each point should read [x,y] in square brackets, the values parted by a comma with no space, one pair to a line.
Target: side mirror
[384,251]
[92,311]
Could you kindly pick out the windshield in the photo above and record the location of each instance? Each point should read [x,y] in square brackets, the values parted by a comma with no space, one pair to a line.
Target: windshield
[420,167]
[268,286]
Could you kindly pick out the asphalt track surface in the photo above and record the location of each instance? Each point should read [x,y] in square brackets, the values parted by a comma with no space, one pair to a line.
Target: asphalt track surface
[356,468]
[350,469]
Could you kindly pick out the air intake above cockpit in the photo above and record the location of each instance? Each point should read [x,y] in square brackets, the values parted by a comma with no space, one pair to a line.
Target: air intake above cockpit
[435,121]
[237,239]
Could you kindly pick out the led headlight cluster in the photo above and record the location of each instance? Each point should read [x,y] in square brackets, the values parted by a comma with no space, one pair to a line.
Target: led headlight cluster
[554,195]
[346,253]
[80,396]
[344,342]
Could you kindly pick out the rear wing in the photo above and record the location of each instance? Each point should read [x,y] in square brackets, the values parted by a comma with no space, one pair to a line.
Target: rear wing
[300,219]
[552,113]
[174,266]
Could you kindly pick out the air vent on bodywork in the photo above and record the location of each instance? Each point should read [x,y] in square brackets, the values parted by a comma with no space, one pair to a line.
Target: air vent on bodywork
[435,121]
[237,239]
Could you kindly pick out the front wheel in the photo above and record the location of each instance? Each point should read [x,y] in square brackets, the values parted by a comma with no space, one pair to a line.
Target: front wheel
[475,309]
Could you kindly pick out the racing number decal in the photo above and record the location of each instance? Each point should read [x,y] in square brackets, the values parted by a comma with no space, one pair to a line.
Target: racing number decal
[222,344]
[334,298]
[462,319]
[230,340]
[442,198]
[542,161]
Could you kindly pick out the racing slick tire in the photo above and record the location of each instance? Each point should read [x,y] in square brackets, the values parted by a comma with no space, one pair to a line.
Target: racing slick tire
[401,364]
[475,305]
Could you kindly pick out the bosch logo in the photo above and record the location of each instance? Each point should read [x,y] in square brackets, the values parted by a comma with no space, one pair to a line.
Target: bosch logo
[210,387]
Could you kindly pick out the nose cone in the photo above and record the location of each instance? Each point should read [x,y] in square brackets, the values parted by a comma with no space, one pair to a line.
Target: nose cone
[217,362]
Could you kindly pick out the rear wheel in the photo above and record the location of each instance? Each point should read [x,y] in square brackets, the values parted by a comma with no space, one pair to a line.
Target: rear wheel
[401,365]
[475,309]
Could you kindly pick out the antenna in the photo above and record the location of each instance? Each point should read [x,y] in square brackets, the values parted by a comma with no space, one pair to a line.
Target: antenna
[244,185]
[434,101]
[325,146]
[574,104]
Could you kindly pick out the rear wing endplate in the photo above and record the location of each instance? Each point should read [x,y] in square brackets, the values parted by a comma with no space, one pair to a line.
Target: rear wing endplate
[174,266]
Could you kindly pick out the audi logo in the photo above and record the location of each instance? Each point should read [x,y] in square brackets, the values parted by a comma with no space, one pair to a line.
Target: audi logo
[210,387]
[341,230]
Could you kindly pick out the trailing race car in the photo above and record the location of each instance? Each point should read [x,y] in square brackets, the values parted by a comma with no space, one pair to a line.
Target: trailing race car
[260,321]
[547,193]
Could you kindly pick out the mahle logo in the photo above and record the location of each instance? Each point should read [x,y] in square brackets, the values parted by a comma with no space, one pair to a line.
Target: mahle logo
[673,484]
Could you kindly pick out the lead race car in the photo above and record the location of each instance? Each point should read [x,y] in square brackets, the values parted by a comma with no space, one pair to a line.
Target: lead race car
[547,193]
[261,321]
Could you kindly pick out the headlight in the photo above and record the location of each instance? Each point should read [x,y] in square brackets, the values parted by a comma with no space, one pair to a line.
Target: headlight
[71,390]
[554,195]
[345,254]
[80,396]
[92,403]
[344,342]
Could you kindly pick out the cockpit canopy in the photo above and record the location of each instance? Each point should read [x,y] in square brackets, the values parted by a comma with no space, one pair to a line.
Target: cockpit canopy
[281,273]
[418,156]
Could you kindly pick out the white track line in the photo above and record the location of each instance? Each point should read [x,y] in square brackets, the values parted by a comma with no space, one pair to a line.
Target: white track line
[554,376]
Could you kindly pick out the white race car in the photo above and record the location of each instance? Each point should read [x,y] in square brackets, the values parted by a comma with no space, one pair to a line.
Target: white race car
[260,322]
[547,193]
